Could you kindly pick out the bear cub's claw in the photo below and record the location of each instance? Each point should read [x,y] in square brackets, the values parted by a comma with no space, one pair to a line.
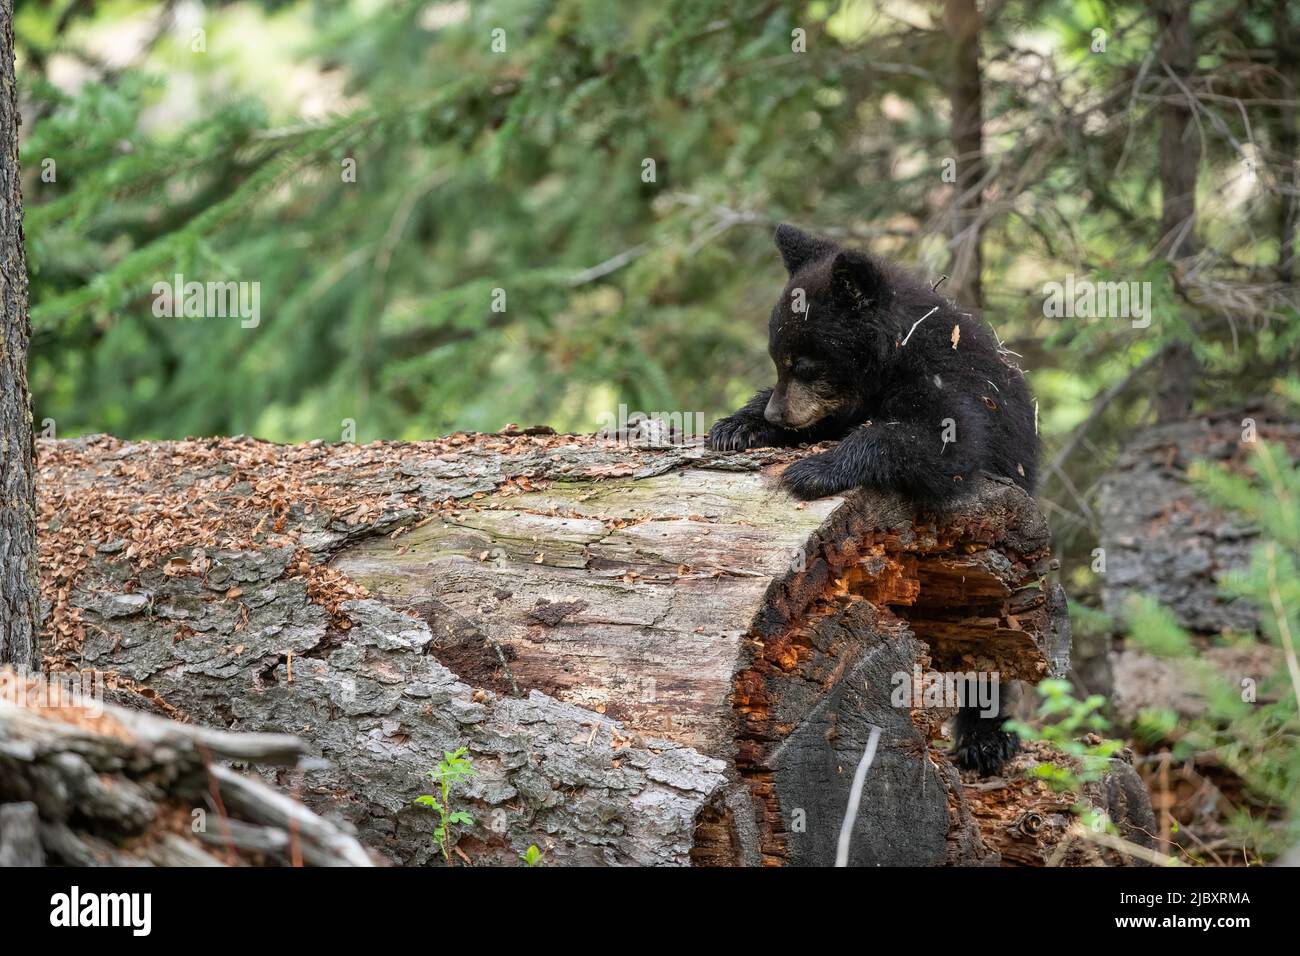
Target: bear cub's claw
[737,432]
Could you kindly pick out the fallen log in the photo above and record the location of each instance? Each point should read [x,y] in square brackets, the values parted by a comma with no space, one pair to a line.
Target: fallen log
[84,783]
[1163,537]
[653,656]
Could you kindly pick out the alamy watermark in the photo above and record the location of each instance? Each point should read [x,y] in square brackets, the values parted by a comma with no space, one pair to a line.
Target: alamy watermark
[1085,299]
[656,430]
[921,689]
[209,300]
[79,690]
[133,911]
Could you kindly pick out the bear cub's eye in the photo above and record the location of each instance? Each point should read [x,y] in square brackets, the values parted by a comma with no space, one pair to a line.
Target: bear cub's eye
[805,369]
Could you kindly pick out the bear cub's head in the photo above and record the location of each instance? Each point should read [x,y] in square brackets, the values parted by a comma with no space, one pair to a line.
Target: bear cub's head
[829,331]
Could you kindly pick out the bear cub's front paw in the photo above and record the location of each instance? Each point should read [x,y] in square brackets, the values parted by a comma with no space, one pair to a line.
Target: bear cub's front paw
[812,477]
[737,432]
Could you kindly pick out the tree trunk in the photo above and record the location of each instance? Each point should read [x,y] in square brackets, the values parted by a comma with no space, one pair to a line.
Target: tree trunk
[1179,161]
[18,573]
[967,101]
[1288,141]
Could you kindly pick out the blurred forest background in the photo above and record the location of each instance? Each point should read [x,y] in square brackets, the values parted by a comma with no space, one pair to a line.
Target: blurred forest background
[381,167]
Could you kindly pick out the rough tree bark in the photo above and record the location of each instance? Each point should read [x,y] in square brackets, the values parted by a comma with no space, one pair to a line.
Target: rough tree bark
[967,101]
[18,574]
[653,656]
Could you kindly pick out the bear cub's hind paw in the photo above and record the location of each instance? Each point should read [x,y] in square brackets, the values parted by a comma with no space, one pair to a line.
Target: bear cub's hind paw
[986,749]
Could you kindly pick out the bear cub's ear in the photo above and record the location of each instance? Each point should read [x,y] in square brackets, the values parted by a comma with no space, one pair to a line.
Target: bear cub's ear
[857,277]
[798,248]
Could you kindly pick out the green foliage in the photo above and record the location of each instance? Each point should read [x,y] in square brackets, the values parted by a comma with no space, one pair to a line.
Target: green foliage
[532,856]
[521,170]
[1088,621]
[1154,724]
[453,768]
[1067,724]
[1154,628]
[1268,496]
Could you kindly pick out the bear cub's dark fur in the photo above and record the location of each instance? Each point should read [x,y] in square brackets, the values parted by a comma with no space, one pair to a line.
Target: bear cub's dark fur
[917,391]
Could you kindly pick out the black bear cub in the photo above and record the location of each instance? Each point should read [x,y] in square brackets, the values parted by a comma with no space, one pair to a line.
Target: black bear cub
[916,390]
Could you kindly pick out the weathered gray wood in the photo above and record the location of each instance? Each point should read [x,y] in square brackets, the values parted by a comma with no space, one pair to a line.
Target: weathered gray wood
[84,784]
[323,844]
[652,656]
[172,850]
[249,836]
[20,835]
